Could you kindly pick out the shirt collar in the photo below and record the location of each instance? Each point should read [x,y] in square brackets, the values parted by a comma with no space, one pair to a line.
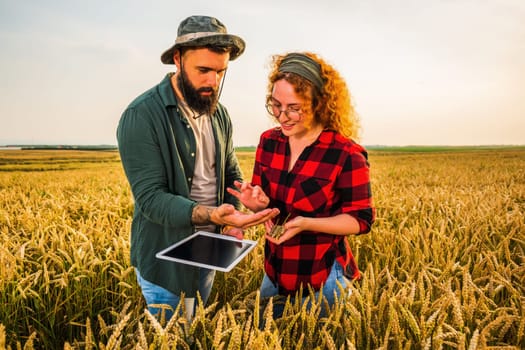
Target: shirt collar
[166,92]
[327,136]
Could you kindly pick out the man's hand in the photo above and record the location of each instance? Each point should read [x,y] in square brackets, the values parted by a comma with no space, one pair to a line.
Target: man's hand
[226,214]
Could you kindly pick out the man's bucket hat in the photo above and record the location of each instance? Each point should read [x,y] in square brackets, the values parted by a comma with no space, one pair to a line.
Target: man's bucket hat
[198,31]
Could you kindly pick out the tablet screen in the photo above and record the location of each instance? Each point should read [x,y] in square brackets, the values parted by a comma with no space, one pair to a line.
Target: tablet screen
[209,250]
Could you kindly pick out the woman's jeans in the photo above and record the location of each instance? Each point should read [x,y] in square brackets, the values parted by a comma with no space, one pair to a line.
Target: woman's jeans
[268,289]
[155,294]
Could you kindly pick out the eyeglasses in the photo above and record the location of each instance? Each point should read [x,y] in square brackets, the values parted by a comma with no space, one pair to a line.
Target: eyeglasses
[290,112]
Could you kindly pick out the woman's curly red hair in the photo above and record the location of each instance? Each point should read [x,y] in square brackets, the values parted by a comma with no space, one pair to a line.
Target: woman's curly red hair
[332,107]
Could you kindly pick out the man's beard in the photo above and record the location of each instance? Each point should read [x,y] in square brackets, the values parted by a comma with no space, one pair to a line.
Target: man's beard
[197,102]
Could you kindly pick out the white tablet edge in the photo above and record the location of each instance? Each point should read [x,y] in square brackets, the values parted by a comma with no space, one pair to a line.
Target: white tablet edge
[251,244]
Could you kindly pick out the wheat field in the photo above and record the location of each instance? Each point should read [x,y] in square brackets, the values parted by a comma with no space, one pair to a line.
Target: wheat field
[443,268]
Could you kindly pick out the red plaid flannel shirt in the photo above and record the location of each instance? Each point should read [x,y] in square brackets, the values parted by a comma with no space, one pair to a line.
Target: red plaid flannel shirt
[330,177]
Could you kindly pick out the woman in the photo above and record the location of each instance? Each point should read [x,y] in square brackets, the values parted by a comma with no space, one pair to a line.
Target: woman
[313,171]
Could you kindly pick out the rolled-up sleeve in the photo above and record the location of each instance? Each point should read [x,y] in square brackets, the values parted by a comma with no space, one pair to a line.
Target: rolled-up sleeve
[355,189]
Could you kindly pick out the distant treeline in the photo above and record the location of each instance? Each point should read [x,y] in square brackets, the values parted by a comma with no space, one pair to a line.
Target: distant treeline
[438,148]
[416,148]
[64,147]
[410,148]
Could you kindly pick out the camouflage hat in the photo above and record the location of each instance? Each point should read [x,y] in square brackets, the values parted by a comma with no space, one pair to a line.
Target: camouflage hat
[198,31]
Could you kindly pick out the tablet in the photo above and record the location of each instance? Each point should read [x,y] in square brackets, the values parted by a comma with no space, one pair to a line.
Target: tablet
[209,250]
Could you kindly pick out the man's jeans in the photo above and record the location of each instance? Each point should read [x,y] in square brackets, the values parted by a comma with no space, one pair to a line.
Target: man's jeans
[155,294]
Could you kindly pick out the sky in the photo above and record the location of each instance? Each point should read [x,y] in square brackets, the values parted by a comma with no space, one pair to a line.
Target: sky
[421,72]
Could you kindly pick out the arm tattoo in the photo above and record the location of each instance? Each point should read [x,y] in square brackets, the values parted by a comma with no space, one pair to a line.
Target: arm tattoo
[201,215]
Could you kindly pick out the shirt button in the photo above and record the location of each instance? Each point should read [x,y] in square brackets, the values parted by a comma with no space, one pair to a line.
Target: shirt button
[187,126]
[189,179]
[192,154]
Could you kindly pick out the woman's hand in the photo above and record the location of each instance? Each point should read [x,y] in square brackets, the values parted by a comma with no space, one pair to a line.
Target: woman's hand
[341,224]
[290,229]
[252,197]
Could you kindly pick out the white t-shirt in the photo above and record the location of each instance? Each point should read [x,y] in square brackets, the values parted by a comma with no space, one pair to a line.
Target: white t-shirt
[204,184]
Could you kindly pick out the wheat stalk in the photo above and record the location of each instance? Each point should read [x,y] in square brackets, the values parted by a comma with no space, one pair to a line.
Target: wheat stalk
[64,251]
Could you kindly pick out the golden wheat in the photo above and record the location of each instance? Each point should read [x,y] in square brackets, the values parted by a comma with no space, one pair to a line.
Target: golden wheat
[442,268]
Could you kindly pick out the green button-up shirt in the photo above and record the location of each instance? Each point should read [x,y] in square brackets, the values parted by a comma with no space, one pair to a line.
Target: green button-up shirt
[157,149]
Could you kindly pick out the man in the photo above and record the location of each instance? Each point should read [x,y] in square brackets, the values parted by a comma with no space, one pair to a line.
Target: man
[175,142]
